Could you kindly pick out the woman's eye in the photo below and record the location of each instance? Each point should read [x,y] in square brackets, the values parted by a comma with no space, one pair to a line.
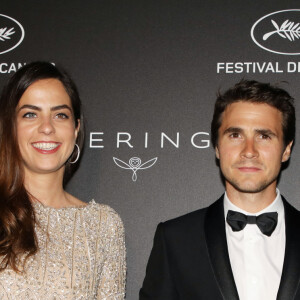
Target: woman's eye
[29,115]
[62,116]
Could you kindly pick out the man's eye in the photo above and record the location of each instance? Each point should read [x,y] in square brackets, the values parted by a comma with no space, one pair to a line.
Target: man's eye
[61,116]
[264,137]
[235,135]
[29,115]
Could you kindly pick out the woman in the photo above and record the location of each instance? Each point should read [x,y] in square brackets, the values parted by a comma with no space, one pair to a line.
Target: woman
[52,245]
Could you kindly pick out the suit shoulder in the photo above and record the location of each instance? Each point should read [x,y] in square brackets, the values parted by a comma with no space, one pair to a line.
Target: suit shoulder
[289,206]
[291,212]
[194,219]
[186,220]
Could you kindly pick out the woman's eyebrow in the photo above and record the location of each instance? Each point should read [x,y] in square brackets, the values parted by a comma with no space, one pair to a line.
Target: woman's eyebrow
[54,108]
[61,107]
[30,107]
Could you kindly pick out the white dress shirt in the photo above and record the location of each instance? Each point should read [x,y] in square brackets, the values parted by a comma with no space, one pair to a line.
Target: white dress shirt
[256,259]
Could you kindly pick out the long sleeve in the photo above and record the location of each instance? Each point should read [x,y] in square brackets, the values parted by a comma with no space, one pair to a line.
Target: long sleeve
[113,276]
[81,256]
[158,284]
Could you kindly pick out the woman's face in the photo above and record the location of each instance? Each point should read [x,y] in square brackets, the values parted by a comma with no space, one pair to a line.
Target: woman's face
[46,130]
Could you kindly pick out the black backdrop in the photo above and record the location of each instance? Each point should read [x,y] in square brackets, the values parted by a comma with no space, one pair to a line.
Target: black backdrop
[149,71]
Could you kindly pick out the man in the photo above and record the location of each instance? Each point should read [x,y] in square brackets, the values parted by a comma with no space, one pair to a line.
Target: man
[246,245]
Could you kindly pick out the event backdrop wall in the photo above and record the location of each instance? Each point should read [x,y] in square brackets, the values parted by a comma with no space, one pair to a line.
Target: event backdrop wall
[148,73]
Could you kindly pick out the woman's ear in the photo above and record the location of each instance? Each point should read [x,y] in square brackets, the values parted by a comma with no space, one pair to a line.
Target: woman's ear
[77,128]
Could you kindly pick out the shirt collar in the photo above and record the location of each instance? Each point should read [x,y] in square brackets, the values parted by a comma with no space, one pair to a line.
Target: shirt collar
[275,206]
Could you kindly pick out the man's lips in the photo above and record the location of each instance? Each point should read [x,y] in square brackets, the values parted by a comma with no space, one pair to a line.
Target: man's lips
[249,169]
[44,147]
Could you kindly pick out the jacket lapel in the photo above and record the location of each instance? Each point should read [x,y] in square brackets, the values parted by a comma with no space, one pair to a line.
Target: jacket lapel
[291,268]
[215,235]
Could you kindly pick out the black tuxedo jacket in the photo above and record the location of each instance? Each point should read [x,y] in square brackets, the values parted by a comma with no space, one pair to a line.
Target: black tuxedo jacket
[190,261]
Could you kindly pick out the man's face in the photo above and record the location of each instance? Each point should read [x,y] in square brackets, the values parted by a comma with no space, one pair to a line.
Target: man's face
[250,146]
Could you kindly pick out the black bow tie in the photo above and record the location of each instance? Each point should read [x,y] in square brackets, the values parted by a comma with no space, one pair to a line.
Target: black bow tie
[265,222]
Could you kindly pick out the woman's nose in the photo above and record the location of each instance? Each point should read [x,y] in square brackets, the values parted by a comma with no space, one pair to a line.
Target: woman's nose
[46,126]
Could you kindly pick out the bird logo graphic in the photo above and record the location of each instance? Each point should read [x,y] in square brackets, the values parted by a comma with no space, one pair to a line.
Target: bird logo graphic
[134,164]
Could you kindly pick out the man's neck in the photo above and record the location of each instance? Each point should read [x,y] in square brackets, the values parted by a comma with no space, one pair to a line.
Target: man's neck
[252,202]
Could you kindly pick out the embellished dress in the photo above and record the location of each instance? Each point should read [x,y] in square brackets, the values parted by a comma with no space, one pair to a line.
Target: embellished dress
[81,257]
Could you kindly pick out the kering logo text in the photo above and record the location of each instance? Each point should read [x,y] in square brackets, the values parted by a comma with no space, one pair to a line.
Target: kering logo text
[198,140]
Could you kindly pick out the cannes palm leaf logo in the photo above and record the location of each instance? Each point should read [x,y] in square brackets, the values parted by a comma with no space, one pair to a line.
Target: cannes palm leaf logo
[6,33]
[288,30]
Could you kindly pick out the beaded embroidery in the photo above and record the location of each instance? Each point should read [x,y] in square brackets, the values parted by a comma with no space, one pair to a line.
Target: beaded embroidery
[81,257]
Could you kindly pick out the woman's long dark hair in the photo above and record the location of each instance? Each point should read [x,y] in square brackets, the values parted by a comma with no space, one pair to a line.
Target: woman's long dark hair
[17,219]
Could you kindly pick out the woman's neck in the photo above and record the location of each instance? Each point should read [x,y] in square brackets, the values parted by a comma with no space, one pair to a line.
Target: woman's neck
[47,188]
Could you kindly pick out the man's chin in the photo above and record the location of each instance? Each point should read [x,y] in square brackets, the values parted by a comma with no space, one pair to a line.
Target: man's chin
[251,188]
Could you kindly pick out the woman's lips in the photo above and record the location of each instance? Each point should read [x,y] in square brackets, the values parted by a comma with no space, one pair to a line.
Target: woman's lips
[46,147]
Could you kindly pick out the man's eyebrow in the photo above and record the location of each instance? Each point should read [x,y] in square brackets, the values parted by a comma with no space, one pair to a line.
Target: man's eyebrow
[260,131]
[232,129]
[266,132]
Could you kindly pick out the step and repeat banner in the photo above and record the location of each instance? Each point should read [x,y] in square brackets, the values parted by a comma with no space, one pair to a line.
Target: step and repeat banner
[148,73]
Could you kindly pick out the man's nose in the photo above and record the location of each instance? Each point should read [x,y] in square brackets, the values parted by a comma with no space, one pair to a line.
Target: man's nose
[249,150]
